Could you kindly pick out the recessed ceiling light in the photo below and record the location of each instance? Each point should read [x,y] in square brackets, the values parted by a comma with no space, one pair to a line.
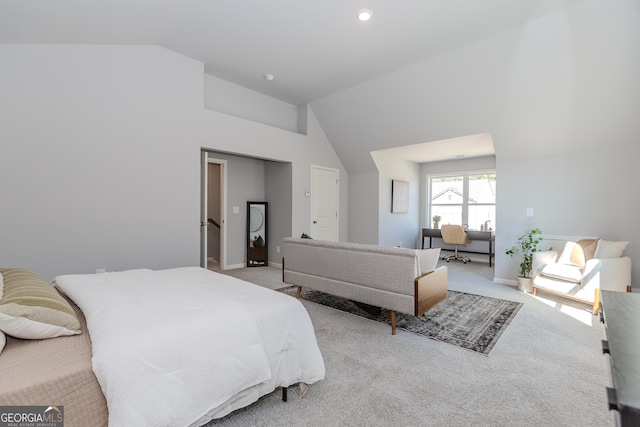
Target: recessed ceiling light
[269,77]
[364,14]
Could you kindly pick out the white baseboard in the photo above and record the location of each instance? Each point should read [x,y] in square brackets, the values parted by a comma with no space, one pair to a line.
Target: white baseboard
[235,266]
[473,257]
[509,282]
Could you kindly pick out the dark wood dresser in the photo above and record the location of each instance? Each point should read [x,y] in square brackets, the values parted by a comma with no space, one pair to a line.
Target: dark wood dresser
[620,312]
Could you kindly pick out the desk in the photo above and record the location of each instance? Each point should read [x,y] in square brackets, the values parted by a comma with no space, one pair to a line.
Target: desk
[488,236]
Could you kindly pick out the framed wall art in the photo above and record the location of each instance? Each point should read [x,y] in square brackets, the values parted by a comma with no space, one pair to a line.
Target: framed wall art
[399,196]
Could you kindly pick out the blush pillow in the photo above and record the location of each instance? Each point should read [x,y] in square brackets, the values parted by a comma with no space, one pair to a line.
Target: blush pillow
[589,247]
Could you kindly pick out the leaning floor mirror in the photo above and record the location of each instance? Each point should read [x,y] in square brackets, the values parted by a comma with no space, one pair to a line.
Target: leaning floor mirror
[257,234]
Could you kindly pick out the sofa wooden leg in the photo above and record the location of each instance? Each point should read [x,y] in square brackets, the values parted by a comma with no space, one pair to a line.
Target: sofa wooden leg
[534,291]
[596,302]
[629,288]
[393,322]
[298,292]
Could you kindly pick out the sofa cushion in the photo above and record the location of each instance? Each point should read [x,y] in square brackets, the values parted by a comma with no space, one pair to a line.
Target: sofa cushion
[589,247]
[566,272]
[609,249]
[572,254]
[427,259]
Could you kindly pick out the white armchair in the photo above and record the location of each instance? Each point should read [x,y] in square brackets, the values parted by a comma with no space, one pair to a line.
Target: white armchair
[579,273]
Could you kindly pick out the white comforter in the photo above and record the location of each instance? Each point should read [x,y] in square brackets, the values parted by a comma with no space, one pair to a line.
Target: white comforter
[179,347]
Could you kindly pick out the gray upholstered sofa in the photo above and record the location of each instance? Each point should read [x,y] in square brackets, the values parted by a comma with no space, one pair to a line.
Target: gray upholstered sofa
[398,279]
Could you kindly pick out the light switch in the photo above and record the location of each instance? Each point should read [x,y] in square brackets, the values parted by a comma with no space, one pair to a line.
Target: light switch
[529,211]
[236,209]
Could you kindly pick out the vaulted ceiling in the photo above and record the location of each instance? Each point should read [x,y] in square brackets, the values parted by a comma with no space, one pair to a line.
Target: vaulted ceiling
[313,49]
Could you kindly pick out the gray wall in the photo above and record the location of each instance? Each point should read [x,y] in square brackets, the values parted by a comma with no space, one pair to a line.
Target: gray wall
[100,158]
[100,165]
[559,96]
[229,98]
[588,193]
[278,194]
[397,229]
[364,207]
[246,181]
[214,211]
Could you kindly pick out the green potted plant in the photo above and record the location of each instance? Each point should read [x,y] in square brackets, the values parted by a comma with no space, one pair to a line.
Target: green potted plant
[528,245]
[436,221]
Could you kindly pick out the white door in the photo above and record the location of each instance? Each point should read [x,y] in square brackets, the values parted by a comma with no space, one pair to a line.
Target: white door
[205,224]
[324,203]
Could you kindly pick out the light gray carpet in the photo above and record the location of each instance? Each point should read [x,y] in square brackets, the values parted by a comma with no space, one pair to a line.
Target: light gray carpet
[548,370]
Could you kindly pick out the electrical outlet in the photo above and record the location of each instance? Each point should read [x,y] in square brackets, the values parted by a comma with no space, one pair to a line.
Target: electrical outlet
[277,249]
[100,270]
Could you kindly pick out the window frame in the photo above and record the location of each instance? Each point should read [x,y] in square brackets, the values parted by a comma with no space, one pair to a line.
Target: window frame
[465,194]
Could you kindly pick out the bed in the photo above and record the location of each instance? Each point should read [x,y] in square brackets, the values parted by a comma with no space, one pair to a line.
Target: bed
[169,347]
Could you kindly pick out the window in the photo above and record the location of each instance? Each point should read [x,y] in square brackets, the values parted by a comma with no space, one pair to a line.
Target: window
[463,199]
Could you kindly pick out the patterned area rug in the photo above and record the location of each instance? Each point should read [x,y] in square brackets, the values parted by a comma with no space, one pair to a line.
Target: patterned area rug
[473,322]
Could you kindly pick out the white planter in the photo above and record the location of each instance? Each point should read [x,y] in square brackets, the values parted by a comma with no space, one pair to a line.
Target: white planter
[525,284]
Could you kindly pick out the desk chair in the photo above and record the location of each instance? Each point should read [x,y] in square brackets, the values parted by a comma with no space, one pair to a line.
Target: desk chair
[455,235]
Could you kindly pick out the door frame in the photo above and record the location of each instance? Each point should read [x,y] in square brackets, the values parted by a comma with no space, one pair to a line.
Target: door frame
[204,197]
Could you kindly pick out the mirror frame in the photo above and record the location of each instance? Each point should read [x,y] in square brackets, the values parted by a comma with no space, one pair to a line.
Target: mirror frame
[257,256]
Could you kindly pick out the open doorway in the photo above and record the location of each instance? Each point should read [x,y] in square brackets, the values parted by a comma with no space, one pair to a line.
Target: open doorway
[213,217]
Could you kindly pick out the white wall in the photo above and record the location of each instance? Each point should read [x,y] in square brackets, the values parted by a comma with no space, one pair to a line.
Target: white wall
[562,82]
[278,194]
[547,91]
[100,160]
[397,229]
[229,98]
[364,208]
[246,181]
[587,193]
